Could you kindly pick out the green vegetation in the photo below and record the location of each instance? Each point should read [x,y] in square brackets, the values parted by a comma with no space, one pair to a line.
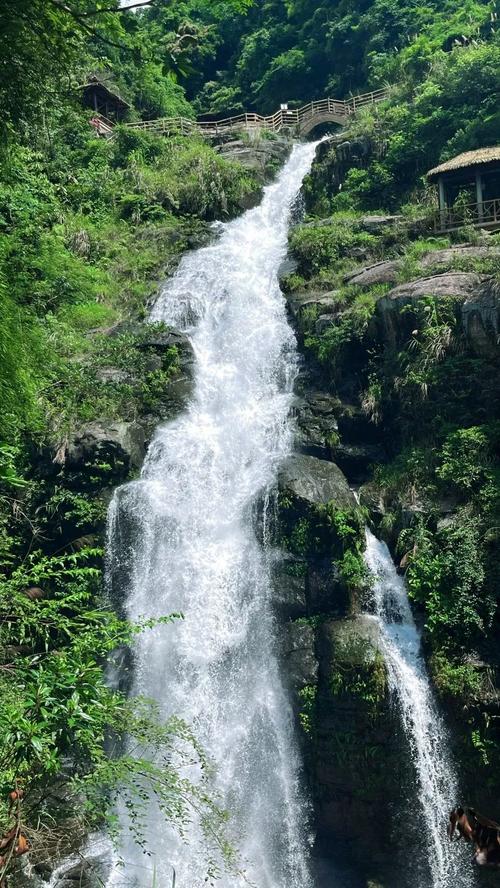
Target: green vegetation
[87,229]
[359,671]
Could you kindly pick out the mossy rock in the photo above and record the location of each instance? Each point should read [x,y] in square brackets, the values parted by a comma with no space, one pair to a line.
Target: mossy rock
[312,482]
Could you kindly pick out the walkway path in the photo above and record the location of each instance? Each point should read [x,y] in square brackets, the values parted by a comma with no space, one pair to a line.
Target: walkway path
[298,121]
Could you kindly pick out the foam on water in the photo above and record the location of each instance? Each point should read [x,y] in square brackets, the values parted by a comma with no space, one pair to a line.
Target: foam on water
[437,790]
[194,549]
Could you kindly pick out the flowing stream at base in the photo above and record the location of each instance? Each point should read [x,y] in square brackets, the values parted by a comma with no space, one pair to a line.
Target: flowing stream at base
[422,724]
[193,548]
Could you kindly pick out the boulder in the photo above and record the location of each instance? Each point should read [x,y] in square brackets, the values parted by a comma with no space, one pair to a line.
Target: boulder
[379,273]
[481,319]
[316,422]
[355,427]
[357,733]
[120,444]
[457,255]
[313,303]
[376,224]
[457,285]
[300,656]
[114,375]
[287,267]
[354,642]
[312,482]
[161,340]
[370,496]
[397,324]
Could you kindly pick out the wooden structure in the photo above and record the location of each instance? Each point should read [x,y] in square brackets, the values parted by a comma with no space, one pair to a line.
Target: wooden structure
[298,121]
[109,108]
[468,190]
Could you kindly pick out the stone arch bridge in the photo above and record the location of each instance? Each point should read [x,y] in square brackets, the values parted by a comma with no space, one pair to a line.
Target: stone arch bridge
[298,122]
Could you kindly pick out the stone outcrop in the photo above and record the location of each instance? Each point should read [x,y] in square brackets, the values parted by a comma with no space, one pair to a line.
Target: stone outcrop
[309,302]
[356,734]
[300,656]
[289,587]
[379,273]
[477,298]
[457,255]
[121,444]
[312,482]
[388,272]
[316,423]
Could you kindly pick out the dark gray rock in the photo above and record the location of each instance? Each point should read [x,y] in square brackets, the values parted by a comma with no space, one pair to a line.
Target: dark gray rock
[289,587]
[326,591]
[105,441]
[457,285]
[300,656]
[376,224]
[356,733]
[288,266]
[355,427]
[396,322]
[457,255]
[481,318]
[357,460]
[312,303]
[255,153]
[371,498]
[316,423]
[161,340]
[379,273]
[114,375]
[313,482]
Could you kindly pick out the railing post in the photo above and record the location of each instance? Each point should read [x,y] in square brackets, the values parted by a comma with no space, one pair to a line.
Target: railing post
[479,196]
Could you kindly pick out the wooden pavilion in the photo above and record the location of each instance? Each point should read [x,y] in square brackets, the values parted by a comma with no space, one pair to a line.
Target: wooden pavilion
[109,107]
[469,190]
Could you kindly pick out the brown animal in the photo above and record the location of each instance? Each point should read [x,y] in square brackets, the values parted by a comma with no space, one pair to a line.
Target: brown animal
[460,822]
[484,833]
[7,838]
[15,796]
[34,593]
[22,846]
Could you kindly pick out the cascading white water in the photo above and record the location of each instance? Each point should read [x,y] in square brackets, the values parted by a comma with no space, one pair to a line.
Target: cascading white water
[423,726]
[195,550]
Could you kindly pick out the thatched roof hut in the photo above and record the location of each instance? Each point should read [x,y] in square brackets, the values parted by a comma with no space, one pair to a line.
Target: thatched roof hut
[466,160]
[469,189]
[98,96]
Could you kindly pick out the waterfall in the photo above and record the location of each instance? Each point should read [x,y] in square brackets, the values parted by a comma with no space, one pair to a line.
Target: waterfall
[195,550]
[426,734]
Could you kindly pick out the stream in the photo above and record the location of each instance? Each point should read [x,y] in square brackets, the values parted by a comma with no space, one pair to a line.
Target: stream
[187,532]
[195,550]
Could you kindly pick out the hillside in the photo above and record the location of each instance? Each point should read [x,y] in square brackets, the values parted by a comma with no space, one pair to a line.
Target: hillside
[397,327]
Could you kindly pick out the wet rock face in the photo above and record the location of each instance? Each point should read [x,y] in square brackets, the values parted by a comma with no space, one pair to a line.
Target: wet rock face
[316,423]
[119,443]
[300,655]
[289,587]
[313,482]
[477,298]
[326,591]
[356,735]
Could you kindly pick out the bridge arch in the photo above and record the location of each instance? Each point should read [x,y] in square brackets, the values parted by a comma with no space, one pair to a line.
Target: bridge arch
[307,124]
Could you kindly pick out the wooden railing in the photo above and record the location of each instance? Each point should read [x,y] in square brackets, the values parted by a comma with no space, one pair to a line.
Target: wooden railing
[485,214]
[290,119]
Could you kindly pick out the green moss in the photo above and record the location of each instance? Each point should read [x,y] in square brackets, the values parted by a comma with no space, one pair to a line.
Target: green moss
[307,710]
[359,671]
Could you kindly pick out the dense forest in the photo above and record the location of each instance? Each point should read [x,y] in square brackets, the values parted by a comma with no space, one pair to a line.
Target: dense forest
[89,228]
